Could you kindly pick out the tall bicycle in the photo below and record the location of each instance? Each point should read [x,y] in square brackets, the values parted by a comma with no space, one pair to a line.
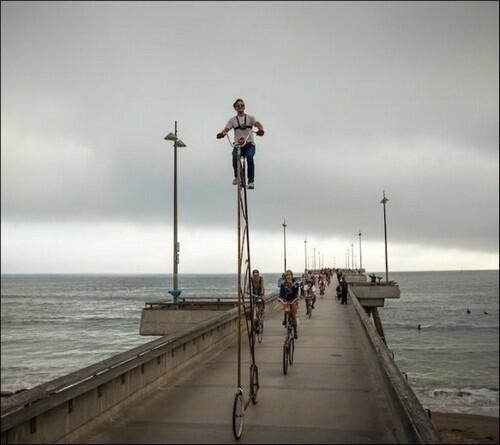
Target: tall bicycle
[244,287]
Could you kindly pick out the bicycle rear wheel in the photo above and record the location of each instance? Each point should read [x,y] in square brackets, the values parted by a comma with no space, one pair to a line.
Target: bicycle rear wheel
[238,413]
[254,383]
[260,332]
[285,358]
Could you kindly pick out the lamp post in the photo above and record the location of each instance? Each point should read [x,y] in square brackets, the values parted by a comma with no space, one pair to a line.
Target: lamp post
[314,259]
[305,254]
[348,260]
[384,201]
[360,258]
[284,244]
[175,292]
[352,255]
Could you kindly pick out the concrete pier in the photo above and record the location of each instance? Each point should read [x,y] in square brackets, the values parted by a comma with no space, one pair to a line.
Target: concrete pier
[331,394]
[343,387]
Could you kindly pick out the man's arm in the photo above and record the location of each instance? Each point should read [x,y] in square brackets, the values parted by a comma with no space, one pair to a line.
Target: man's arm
[226,130]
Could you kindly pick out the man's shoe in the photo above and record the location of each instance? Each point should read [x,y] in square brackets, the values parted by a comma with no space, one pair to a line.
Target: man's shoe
[251,185]
[235,181]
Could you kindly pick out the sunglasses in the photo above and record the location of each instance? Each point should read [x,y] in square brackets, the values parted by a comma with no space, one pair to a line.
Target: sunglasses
[240,105]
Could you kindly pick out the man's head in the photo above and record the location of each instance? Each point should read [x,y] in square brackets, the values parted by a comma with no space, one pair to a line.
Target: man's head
[255,273]
[239,105]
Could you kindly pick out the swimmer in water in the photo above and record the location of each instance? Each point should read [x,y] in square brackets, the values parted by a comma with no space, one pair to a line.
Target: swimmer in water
[419,327]
[468,311]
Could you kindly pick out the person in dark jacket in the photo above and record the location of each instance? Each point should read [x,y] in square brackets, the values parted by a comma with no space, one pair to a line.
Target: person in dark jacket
[345,289]
[289,297]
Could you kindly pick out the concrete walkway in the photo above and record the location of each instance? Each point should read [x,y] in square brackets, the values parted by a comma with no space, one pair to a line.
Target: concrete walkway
[330,394]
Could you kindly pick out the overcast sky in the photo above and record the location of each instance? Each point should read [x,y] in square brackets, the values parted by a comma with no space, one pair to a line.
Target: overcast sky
[355,98]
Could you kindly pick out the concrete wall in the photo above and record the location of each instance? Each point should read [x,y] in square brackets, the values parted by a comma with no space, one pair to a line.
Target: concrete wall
[62,412]
[167,321]
[411,422]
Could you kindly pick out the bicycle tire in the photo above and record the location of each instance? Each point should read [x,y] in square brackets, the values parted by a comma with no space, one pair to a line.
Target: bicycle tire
[254,382]
[238,413]
[285,358]
[260,334]
[291,351]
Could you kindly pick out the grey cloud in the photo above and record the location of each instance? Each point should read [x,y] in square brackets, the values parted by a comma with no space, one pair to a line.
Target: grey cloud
[334,84]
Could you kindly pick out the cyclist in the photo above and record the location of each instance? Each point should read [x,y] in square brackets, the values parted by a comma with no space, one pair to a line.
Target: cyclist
[242,124]
[289,296]
[258,288]
[311,291]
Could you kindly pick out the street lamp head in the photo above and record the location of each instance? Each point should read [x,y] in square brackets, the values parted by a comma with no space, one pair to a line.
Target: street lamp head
[180,143]
[384,200]
[170,137]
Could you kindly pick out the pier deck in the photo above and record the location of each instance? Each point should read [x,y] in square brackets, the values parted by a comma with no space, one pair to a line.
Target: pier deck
[330,394]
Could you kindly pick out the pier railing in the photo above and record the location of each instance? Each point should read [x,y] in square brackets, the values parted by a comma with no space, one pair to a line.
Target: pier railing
[415,423]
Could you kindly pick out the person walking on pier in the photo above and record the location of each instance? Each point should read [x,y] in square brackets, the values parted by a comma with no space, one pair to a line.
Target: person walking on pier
[243,124]
[289,297]
[345,289]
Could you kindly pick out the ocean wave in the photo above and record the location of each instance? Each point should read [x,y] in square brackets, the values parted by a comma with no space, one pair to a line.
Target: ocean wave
[439,327]
[483,401]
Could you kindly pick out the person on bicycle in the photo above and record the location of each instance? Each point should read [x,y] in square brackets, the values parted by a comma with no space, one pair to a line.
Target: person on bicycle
[311,291]
[289,296]
[243,124]
[258,288]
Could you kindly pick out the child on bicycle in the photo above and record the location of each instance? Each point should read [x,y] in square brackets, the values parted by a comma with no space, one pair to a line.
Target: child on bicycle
[243,124]
[289,297]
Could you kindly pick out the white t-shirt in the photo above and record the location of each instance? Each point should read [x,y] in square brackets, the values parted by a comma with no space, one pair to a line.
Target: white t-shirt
[239,133]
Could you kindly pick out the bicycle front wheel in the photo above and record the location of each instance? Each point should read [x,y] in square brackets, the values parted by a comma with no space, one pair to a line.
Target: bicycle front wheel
[238,413]
[291,351]
[285,358]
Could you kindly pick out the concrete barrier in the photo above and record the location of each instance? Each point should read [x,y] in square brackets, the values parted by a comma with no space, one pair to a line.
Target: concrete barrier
[413,422]
[62,410]
[167,318]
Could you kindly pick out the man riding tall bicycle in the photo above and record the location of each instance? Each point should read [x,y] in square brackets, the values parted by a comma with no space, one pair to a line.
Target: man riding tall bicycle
[289,297]
[243,124]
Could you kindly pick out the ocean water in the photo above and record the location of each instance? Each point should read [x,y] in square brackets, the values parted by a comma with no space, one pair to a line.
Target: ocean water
[453,361]
[55,324]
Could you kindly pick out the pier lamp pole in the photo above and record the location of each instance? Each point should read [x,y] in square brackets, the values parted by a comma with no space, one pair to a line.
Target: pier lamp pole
[360,258]
[284,243]
[175,292]
[384,201]
[334,266]
[352,255]
[305,254]
[348,259]
[314,259]
[319,260]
